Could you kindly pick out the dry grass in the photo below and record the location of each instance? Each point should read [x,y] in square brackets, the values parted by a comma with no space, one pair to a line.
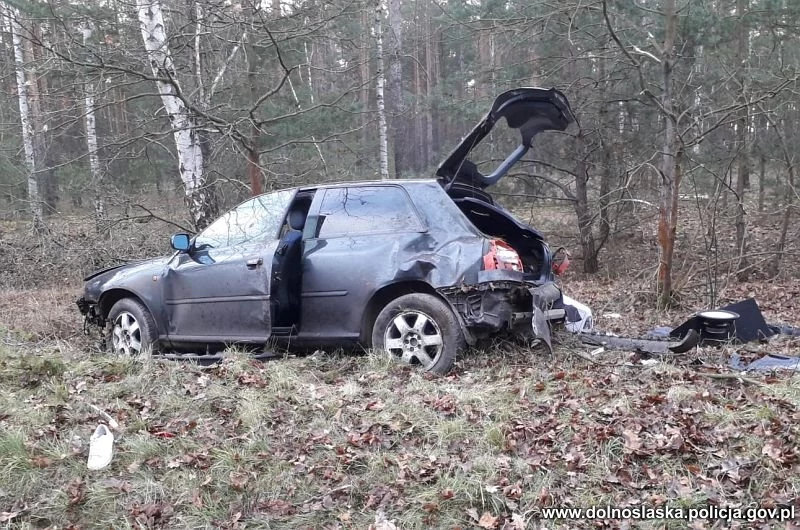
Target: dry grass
[336,441]
[41,314]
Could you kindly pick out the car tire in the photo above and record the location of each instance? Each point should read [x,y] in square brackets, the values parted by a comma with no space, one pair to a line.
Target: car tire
[419,329]
[130,329]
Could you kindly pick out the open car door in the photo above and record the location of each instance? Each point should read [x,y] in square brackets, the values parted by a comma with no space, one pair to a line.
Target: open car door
[219,290]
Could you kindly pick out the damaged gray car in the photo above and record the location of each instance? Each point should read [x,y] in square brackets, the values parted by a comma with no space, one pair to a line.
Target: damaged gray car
[417,268]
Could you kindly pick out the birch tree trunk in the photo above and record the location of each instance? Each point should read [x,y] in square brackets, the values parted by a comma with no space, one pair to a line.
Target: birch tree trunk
[383,147]
[200,198]
[762,163]
[11,18]
[91,140]
[430,77]
[484,59]
[396,105]
[364,72]
[309,57]
[607,147]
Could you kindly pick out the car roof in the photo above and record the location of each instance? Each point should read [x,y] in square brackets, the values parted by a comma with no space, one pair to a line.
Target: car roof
[395,182]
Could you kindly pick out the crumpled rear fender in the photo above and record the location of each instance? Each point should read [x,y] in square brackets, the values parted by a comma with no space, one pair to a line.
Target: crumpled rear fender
[504,302]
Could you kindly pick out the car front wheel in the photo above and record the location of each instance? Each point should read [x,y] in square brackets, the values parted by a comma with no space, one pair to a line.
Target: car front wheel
[132,329]
[419,329]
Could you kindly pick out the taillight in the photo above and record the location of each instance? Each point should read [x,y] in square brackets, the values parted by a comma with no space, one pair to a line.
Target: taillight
[501,256]
[560,261]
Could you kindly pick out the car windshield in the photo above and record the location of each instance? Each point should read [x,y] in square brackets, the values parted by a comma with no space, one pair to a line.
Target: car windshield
[259,218]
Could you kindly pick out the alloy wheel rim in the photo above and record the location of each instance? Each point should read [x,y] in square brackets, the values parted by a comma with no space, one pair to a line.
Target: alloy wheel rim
[126,335]
[414,338]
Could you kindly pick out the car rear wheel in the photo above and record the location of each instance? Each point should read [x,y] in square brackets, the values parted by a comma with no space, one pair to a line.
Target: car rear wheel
[419,329]
[132,329]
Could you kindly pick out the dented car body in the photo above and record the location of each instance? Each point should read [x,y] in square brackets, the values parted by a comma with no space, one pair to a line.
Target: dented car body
[419,268]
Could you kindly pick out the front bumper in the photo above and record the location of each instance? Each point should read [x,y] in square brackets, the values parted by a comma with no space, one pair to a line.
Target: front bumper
[91,312]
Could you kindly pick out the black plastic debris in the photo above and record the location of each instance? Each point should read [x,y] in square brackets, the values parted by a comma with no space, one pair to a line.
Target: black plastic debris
[772,361]
[783,329]
[735,323]
[749,326]
[659,332]
[657,346]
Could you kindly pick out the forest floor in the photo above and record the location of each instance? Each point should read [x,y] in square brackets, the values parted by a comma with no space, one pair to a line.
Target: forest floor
[335,440]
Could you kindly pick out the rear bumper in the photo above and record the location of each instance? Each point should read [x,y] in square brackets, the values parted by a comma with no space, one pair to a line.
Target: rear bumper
[504,301]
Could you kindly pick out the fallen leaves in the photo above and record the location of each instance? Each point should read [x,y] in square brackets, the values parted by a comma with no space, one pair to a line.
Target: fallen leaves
[117,485]
[76,492]
[488,521]
[277,507]
[150,515]
[773,449]
[374,405]
[239,480]
[382,522]
[485,520]
[252,379]
[484,450]
[445,404]
[633,443]
[41,462]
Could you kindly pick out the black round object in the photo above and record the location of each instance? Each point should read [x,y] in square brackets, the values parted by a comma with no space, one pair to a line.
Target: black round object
[717,326]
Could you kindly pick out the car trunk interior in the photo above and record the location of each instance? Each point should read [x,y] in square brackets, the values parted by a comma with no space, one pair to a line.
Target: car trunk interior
[496,222]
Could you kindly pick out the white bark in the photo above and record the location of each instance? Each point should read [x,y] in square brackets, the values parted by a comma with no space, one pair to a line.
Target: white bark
[308,67]
[91,139]
[11,19]
[182,121]
[198,63]
[396,105]
[383,147]
[217,78]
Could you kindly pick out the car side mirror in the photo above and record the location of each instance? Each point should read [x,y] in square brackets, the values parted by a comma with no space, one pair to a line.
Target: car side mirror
[180,242]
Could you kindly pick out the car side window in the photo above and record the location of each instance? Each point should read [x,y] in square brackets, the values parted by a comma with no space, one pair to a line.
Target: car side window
[257,218]
[366,209]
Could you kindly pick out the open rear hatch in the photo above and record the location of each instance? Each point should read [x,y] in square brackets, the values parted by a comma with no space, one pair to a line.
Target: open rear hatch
[530,110]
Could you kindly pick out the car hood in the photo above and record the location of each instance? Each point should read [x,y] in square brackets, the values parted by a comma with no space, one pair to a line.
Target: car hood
[126,267]
[98,272]
[530,110]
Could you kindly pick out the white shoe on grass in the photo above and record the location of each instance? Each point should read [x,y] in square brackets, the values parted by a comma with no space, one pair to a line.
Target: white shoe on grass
[101,447]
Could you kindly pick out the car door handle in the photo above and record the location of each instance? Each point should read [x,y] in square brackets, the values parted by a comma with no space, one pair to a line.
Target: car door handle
[252,263]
